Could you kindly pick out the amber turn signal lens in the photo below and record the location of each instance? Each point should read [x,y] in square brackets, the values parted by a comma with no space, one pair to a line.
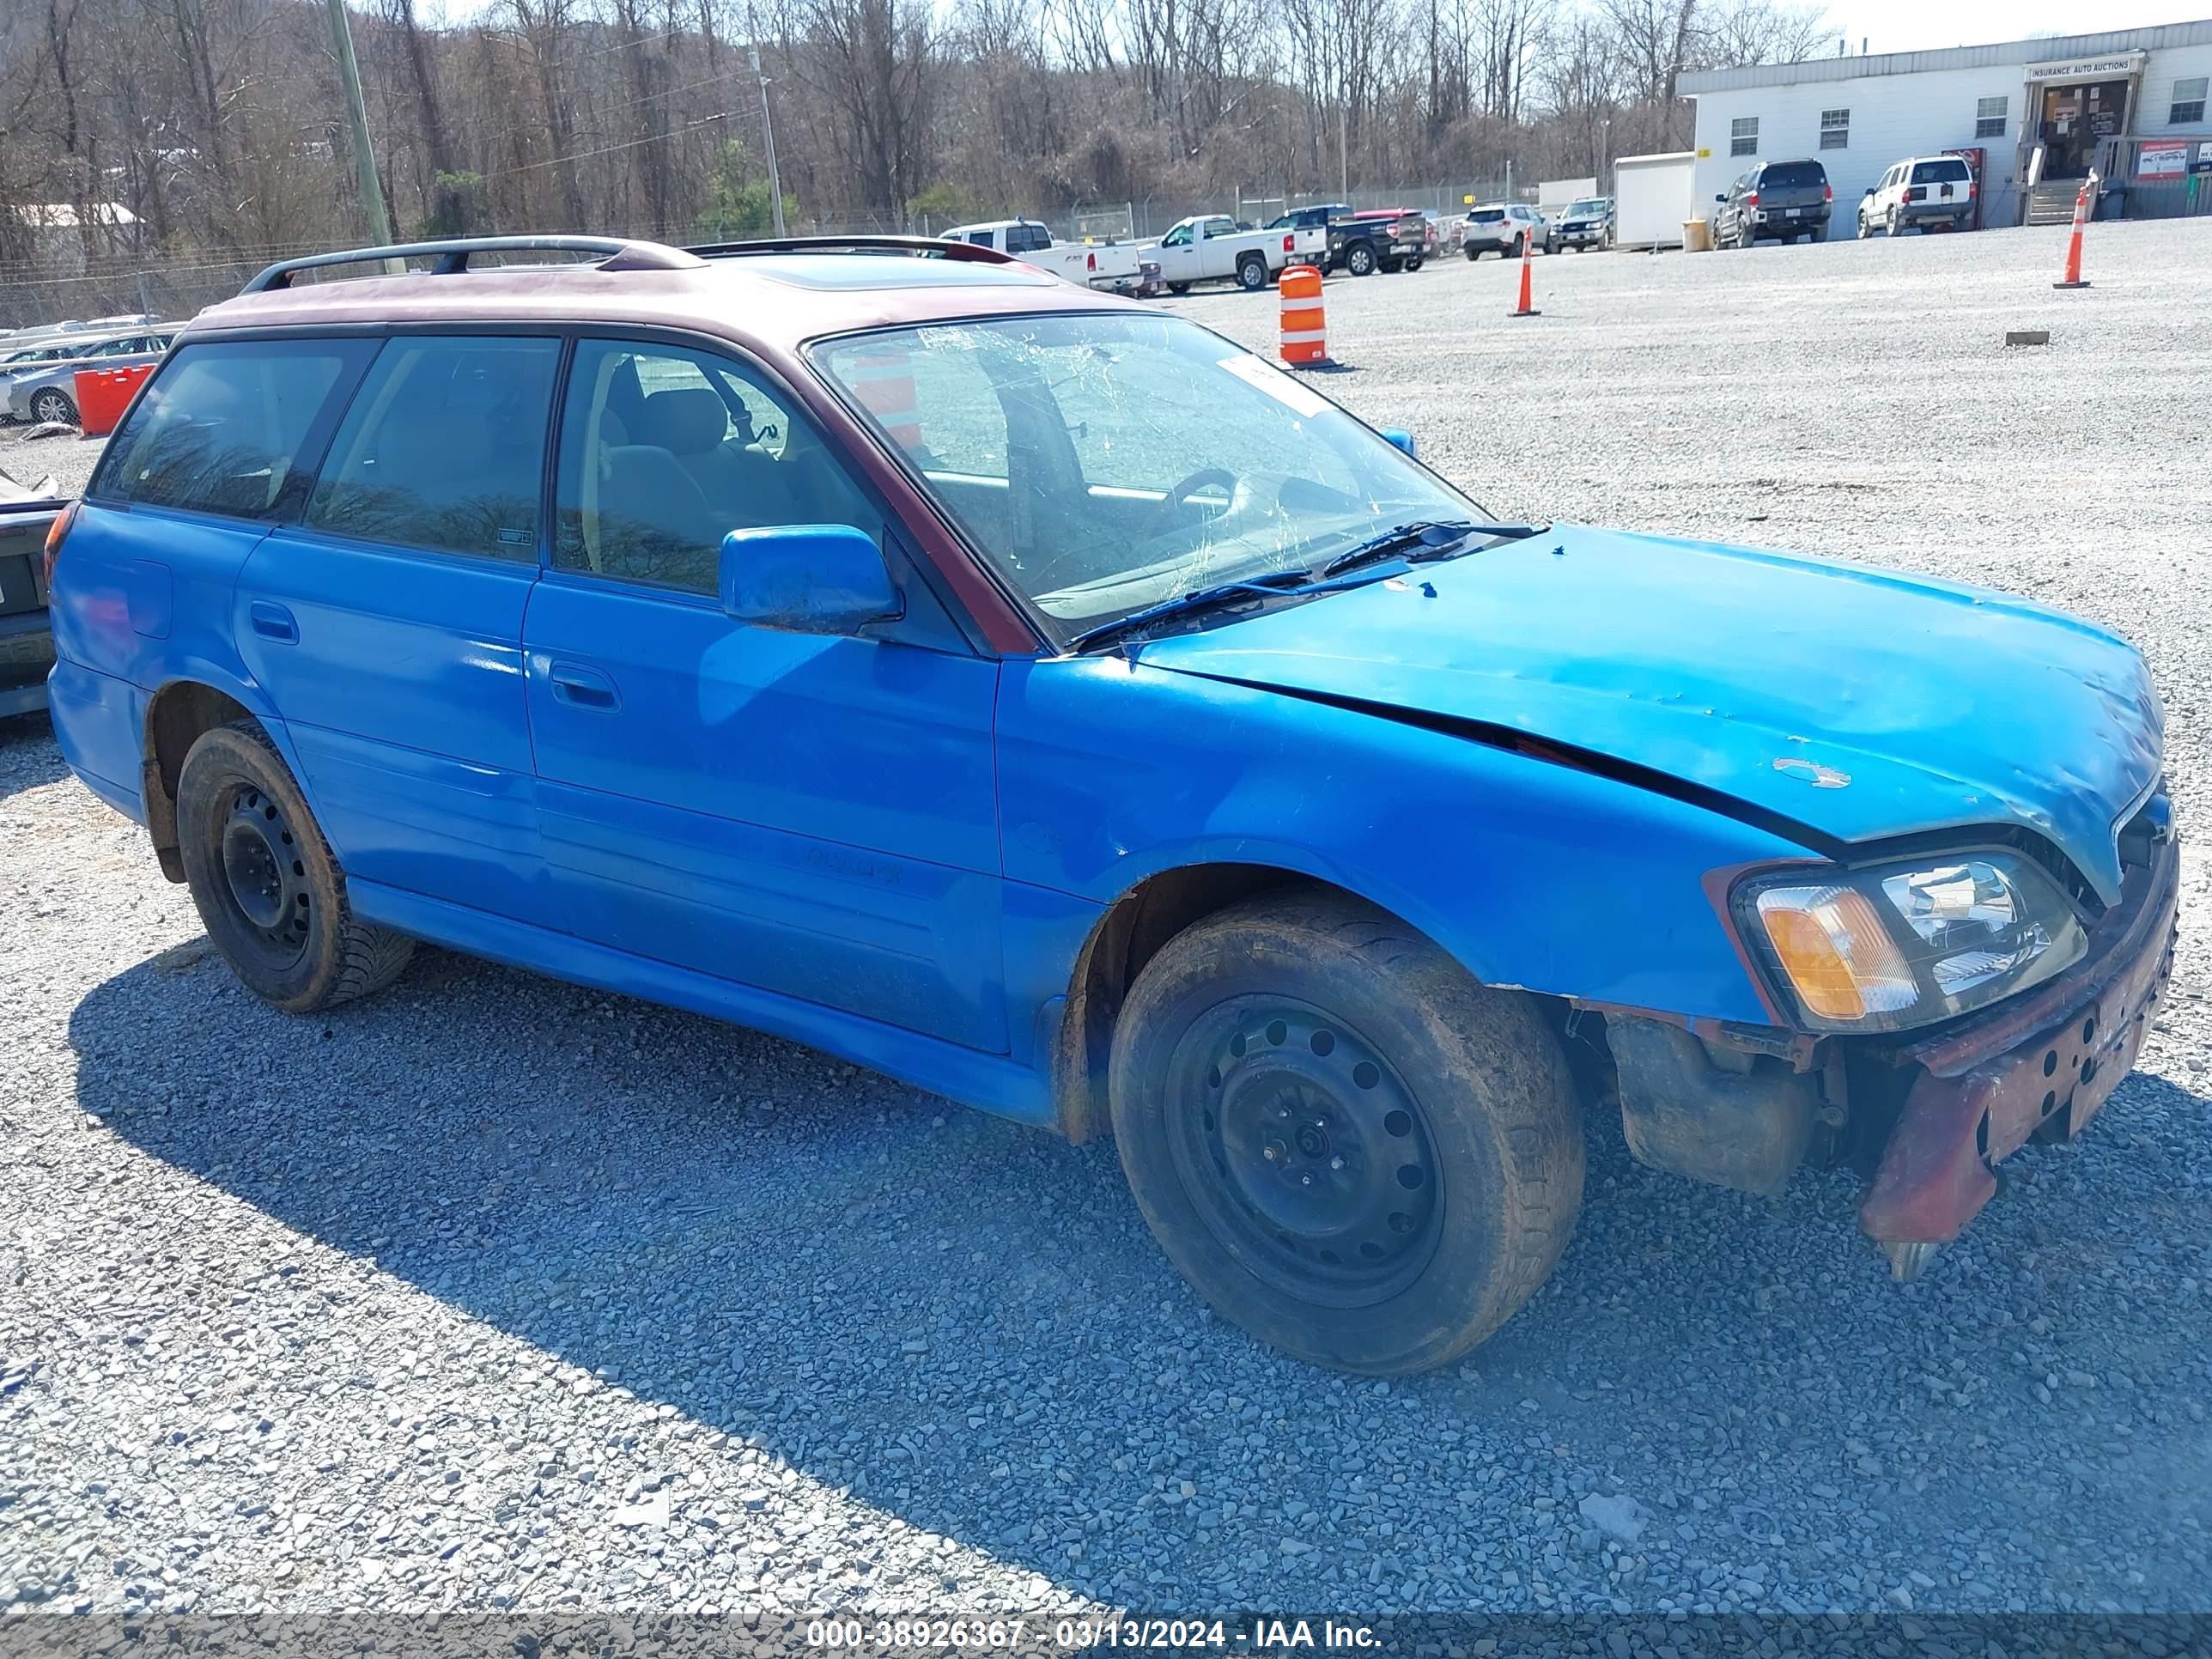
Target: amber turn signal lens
[1839,959]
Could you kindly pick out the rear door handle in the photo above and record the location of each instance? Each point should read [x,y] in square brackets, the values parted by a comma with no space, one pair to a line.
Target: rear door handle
[273,621]
[583,688]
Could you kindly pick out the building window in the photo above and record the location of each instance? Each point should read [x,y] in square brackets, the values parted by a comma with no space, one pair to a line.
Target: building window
[1743,136]
[2188,102]
[1835,129]
[1989,118]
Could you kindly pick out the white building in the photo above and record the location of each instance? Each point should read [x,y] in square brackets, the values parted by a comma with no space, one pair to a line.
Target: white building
[2131,103]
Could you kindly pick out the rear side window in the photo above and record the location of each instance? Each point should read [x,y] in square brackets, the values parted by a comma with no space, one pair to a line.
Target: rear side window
[444,447]
[1793,175]
[1028,239]
[223,428]
[1939,172]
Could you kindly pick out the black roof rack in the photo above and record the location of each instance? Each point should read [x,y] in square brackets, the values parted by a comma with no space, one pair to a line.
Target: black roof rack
[452,256]
[923,247]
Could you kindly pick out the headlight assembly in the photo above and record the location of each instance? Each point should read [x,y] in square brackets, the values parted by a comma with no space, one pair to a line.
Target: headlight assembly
[1894,945]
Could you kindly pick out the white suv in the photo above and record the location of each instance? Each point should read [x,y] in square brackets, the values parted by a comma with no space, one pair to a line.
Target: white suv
[1509,229]
[1927,190]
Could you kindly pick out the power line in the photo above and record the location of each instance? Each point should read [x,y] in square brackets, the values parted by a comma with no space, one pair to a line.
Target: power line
[609,150]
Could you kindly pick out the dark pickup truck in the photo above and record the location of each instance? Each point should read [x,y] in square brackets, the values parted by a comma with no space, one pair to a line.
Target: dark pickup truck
[27,642]
[1362,242]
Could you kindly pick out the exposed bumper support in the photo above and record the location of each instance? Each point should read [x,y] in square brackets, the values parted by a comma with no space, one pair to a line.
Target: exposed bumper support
[1981,1090]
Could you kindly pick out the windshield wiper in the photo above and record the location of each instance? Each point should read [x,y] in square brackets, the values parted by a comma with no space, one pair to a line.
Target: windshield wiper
[1419,543]
[1273,584]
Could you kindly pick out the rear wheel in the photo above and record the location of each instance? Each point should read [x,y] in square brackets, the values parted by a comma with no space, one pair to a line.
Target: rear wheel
[1251,273]
[265,883]
[1896,223]
[1351,1148]
[53,403]
[1178,288]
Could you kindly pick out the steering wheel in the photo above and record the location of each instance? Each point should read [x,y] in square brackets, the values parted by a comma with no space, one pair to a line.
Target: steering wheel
[1163,516]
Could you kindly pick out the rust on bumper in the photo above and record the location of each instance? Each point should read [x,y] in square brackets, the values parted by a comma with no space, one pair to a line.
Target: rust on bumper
[1981,1089]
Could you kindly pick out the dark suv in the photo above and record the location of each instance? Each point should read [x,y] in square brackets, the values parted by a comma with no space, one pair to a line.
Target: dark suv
[1778,200]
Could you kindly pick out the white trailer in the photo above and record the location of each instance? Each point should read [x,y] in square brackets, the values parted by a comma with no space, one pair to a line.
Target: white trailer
[1555,195]
[1651,197]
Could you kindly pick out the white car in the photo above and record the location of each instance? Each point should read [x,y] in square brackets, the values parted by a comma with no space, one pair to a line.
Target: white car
[1509,229]
[1118,266]
[1931,191]
[1209,248]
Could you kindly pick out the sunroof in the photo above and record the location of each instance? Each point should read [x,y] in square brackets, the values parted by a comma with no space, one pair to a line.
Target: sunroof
[873,270]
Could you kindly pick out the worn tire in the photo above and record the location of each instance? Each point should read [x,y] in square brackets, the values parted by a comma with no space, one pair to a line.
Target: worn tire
[323,955]
[1496,1120]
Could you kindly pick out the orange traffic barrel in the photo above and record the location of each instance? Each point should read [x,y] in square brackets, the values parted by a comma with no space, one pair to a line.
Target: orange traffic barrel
[102,395]
[1305,333]
[883,380]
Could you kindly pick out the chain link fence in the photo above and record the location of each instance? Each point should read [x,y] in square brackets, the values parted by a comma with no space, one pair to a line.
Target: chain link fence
[172,286]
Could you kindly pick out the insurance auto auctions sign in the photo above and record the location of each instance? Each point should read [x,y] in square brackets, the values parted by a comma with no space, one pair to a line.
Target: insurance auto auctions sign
[2088,68]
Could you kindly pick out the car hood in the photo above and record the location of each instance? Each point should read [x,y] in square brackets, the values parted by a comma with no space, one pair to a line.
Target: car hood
[1836,703]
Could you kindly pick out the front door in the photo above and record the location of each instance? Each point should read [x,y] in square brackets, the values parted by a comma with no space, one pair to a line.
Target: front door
[387,624]
[811,816]
[2074,118]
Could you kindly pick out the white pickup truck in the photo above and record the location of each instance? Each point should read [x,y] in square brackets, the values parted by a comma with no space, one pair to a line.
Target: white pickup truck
[1210,248]
[1118,266]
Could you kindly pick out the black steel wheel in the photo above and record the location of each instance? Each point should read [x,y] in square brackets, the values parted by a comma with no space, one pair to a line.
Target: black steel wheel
[266,885]
[1349,1147]
[1307,1157]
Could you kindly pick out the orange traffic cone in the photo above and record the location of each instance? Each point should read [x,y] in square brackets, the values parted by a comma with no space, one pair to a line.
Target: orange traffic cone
[2073,279]
[1527,307]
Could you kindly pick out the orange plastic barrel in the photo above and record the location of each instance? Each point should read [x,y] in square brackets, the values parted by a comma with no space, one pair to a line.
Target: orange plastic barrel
[102,395]
[1305,332]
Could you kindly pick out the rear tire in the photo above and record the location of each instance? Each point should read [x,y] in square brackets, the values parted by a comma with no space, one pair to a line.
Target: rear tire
[1178,288]
[1896,224]
[1251,273]
[265,882]
[53,405]
[1351,1149]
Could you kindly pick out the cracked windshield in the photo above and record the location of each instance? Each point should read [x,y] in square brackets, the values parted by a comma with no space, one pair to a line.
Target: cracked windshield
[1106,463]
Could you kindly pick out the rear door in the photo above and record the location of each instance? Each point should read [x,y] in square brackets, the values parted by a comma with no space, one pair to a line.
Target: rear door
[387,624]
[1792,191]
[1943,182]
[814,817]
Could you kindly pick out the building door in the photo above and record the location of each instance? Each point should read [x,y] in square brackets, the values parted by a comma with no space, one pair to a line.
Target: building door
[2074,118]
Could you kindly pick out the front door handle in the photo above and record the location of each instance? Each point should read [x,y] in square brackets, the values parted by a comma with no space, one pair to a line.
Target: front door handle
[583,688]
[273,621]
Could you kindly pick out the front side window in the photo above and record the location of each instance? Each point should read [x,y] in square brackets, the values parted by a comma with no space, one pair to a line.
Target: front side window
[1179,237]
[2187,109]
[665,451]
[1743,136]
[223,427]
[444,447]
[1989,115]
[1835,129]
[1105,462]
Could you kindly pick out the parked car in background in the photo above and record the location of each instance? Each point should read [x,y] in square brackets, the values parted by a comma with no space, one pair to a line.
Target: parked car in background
[1117,267]
[1776,201]
[47,390]
[28,513]
[1509,229]
[1584,224]
[1927,192]
[1209,247]
[1378,239]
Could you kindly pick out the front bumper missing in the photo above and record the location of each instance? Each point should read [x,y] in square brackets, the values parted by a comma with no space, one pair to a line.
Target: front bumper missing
[1981,1090]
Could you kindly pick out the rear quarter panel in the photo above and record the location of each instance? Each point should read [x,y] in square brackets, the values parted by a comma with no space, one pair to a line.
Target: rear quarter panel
[1530,873]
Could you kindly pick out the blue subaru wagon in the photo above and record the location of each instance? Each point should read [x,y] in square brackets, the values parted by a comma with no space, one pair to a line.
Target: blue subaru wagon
[1039,698]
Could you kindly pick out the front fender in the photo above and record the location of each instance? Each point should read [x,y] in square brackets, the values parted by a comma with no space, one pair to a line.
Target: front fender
[1531,873]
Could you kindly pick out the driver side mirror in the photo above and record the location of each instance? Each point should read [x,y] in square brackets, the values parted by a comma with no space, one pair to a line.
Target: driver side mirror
[806,579]
[1723,197]
[1398,438]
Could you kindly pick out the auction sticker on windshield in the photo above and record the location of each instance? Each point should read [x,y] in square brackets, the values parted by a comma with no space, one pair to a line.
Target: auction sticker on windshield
[1276,384]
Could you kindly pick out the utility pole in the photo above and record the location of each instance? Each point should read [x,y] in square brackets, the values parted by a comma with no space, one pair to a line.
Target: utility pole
[364,159]
[767,133]
[1343,155]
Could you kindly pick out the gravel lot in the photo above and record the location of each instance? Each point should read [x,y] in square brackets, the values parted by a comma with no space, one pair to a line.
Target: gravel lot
[494,1292]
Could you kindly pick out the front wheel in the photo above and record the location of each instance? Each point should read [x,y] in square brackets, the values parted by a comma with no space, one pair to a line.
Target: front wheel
[1351,1149]
[1473,254]
[265,883]
[1178,288]
[53,405]
[1360,259]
